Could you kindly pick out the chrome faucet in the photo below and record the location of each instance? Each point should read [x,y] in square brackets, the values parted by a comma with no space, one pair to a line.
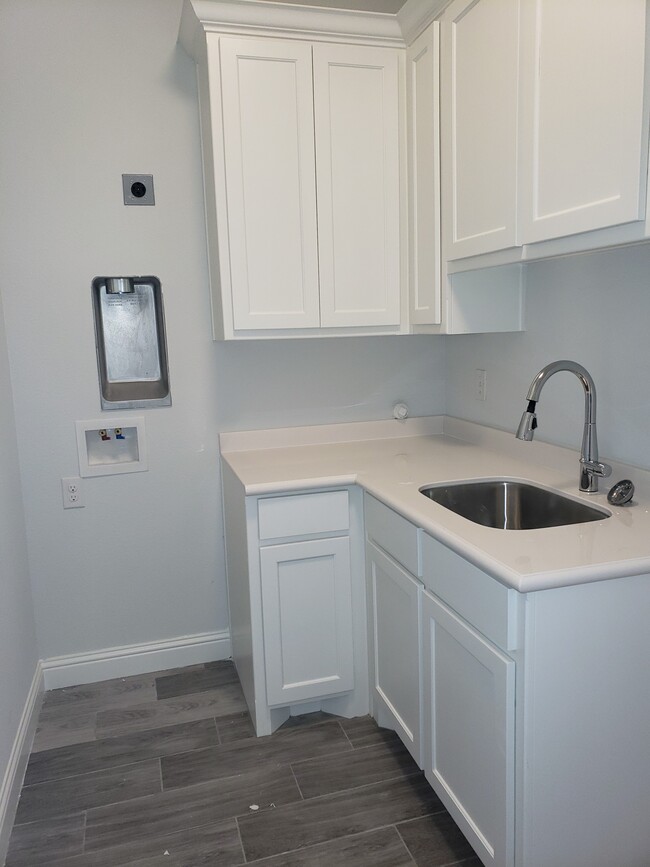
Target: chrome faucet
[590,467]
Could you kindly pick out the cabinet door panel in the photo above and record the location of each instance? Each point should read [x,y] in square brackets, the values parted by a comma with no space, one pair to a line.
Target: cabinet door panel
[423,64]
[307,613]
[469,724]
[357,158]
[270,182]
[395,598]
[582,115]
[479,70]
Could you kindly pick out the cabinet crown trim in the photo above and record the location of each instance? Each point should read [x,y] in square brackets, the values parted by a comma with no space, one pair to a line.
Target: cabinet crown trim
[416,15]
[264,17]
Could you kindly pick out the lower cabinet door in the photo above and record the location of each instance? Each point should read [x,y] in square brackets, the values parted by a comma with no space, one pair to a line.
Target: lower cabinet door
[307,616]
[469,721]
[395,646]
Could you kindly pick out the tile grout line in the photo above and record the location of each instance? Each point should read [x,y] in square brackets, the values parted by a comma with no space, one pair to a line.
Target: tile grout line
[106,769]
[347,736]
[293,773]
[83,840]
[293,804]
[241,842]
[353,751]
[336,839]
[406,845]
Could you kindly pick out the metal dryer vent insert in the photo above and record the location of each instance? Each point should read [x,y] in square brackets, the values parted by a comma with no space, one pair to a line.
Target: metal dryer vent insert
[131,343]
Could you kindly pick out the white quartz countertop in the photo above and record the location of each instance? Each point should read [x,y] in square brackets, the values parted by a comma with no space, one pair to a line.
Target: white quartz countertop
[392,460]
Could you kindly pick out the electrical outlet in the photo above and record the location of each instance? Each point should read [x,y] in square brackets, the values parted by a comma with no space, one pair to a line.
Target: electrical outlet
[480,384]
[71,491]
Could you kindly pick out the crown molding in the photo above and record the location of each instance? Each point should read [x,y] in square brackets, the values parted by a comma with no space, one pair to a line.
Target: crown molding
[265,17]
[415,15]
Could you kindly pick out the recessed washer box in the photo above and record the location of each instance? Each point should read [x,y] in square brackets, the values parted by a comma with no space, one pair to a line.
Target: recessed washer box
[131,343]
[109,447]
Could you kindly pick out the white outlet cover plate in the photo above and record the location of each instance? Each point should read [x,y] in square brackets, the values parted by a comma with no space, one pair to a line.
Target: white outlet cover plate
[72,493]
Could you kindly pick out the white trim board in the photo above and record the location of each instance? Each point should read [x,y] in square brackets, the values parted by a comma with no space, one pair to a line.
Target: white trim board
[92,667]
[12,782]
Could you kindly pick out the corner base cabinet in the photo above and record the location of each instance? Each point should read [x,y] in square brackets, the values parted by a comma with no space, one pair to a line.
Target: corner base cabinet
[533,708]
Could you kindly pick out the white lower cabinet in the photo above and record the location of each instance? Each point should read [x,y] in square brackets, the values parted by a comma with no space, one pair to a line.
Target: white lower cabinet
[297,602]
[469,723]
[470,635]
[307,614]
[441,674]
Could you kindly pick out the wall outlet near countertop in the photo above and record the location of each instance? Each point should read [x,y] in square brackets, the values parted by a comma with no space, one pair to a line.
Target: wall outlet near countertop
[71,491]
[480,384]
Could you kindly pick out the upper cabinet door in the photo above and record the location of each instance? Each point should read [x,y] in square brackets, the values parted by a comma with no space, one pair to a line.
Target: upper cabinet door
[356,99]
[583,119]
[268,132]
[479,74]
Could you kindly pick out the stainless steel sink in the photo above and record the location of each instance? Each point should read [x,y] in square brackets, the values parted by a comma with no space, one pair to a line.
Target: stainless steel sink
[512,505]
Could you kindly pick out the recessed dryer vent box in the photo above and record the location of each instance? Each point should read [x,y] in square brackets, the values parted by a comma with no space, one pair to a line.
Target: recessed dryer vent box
[105,451]
[131,344]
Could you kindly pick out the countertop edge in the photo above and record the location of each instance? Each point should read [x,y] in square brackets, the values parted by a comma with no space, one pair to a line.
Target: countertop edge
[468,432]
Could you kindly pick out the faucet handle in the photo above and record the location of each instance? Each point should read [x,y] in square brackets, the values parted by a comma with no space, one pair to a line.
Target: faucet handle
[597,468]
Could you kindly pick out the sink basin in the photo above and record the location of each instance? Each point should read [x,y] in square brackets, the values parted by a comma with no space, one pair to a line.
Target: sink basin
[512,505]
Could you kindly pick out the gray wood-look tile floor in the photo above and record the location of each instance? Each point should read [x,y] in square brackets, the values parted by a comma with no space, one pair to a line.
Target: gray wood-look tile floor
[165,769]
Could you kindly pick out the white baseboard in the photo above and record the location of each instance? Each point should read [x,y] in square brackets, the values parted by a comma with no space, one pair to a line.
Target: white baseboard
[78,668]
[12,782]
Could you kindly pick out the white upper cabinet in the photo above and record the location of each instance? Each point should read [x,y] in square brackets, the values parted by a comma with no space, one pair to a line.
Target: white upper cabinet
[479,72]
[583,146]
[302,171]
[544,123]
[268,136]
[357,168]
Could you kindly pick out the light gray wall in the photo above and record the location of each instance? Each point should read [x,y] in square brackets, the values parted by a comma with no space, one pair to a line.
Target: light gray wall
[18,650]
[592,308]
[282,383]
[89,90]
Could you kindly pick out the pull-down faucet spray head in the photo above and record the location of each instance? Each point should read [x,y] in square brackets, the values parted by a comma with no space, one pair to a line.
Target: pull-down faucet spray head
[528,423]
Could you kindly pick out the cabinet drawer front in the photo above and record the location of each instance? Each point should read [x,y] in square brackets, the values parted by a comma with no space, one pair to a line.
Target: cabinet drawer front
[397,536]
[488,605]
[303,514]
